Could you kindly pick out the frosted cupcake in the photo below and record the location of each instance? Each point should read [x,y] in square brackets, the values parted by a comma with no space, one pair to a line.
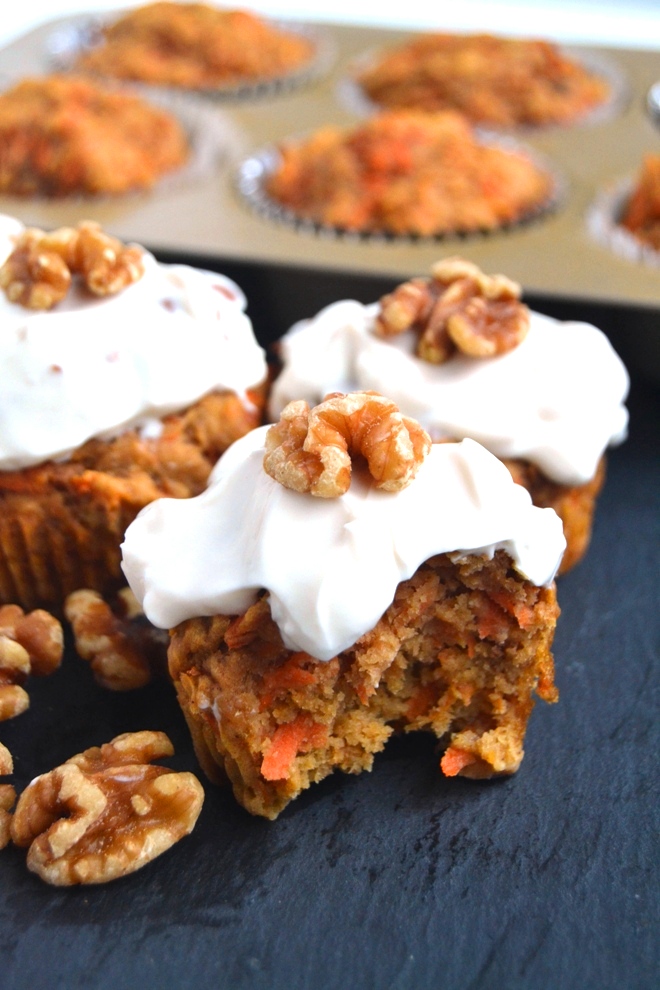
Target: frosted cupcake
[463,355]
[342,578]
[123,380]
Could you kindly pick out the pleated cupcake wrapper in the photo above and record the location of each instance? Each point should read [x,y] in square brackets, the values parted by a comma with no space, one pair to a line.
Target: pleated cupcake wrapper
[354,99]
[42,559]
[253,172]
[604,225]
[83,33]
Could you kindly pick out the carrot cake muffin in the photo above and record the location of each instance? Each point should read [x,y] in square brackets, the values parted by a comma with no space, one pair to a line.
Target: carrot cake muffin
[340,579]
[462,354]
[63,136]
[502,82]
[642,212]
[407,172]
[123,380]
[196,46]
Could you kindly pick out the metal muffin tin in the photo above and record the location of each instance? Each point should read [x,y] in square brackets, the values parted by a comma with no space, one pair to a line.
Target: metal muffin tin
[555,258]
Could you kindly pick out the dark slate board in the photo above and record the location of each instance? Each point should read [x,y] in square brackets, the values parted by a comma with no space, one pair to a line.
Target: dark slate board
[399,878]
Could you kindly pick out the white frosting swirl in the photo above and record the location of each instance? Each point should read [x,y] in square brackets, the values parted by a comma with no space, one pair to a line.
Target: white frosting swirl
[555,400]
[94,367]
[331,566]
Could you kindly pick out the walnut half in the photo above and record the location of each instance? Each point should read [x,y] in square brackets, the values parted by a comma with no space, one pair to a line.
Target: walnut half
[458,308]
[106,812]
[124,650]
[30,643]
[310,450]
[38,273]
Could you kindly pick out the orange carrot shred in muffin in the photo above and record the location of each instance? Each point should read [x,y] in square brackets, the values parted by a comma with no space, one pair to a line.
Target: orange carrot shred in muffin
[455,760]
[295,737]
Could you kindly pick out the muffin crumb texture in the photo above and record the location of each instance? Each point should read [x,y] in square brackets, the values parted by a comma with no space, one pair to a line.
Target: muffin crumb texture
[459,652]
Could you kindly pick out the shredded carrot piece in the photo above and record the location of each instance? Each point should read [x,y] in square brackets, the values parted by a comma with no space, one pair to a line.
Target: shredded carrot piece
[288,676]
[520,610]
[289,739]
[491,623]
[421,701]
[456,760]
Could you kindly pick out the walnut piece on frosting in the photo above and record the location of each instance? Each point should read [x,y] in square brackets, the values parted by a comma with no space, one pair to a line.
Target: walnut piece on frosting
[457,309]
[38,273]
[106,812]
[310,450]
[30,643]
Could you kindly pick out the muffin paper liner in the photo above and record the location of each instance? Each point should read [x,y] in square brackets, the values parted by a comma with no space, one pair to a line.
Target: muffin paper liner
[253,172]
[40,563]
[604,225]
[351,95]
[72,40]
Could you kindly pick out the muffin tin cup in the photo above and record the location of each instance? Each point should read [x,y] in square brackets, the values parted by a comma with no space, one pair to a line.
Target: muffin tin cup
[604,225]
[253,173]
[354,99]
[72,40]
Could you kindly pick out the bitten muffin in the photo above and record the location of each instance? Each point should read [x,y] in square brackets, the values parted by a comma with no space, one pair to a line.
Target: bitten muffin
[195,46]
[641,215]
[66,136]
[461,353]
[341,579]
[502,82]
[123,380]
[407,173]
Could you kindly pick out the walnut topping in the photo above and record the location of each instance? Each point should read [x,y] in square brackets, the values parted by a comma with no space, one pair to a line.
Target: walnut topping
[106,812]
[457,308]
[38,273]
[123,648]
[29,644]
[310,450]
